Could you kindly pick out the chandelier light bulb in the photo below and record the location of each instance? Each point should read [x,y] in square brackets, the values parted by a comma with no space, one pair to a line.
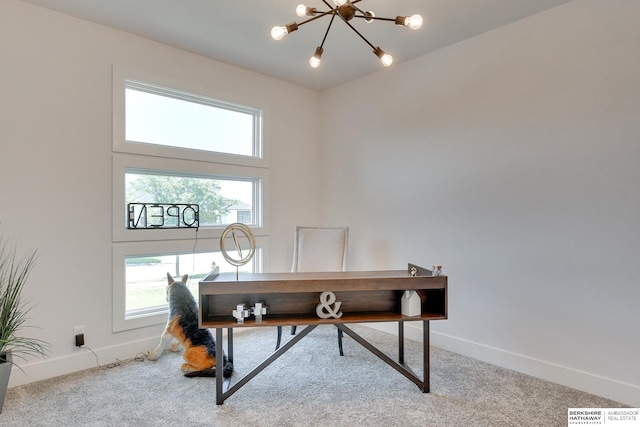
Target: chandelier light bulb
[414,22]
[369,15]
[303,10]
[315,59]
[340,2]
[278,32]
[385,58]
[314,62]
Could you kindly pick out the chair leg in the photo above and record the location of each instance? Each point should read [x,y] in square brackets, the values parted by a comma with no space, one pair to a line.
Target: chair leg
[340,341]
[279,337]
[293,330]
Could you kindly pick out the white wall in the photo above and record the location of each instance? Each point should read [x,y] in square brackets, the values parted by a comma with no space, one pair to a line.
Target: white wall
[56,174]
[512,159]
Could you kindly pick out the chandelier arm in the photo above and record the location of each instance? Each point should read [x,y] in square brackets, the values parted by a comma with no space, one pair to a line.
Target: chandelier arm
[327,32]
[358,33]
[329,6]
[375,17]
[320,15]
[358,9]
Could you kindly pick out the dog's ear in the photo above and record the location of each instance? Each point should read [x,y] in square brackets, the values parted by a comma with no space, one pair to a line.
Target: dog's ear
[185,278]
[170,279]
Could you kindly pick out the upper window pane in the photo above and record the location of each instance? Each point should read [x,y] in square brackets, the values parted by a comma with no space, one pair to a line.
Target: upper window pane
[176,119]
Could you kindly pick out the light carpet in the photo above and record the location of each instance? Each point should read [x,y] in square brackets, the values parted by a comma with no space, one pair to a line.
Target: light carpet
[310,385]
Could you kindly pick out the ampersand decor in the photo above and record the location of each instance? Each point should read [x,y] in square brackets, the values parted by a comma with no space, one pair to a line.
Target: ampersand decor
[327,308]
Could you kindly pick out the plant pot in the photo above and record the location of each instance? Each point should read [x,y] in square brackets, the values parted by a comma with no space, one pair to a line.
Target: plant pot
[5,372]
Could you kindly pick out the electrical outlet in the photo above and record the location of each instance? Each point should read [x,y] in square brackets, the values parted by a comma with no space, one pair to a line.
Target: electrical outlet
[78,335]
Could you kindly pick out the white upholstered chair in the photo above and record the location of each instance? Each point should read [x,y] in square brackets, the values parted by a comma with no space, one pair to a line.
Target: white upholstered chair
[319,249]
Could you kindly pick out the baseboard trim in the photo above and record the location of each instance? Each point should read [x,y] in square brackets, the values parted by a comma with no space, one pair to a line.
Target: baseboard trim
[80,360]
[618,391]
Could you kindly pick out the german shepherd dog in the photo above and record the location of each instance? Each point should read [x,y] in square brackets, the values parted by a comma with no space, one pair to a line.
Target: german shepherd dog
[182,331]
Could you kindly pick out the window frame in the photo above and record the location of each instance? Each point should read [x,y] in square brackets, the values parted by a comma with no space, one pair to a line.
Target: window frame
[131,156]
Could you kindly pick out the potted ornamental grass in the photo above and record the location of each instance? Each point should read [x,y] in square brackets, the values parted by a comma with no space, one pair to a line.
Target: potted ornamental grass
[14,309]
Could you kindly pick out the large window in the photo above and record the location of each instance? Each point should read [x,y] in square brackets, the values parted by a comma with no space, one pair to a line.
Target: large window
[176,146]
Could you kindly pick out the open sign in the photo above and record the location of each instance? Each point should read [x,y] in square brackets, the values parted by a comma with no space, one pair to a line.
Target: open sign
[163,215]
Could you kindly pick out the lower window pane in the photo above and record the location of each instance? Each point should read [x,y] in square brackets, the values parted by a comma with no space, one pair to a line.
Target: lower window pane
[146,278]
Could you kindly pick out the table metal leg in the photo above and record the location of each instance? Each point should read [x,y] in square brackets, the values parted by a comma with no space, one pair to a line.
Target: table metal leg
[425,354]
[219,367]
[224,392]
[404,370]
[401,342]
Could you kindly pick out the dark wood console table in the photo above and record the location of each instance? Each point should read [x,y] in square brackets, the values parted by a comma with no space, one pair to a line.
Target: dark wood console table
[292,298]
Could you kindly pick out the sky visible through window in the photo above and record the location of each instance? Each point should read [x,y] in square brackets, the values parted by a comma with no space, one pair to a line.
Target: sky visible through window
[162,120]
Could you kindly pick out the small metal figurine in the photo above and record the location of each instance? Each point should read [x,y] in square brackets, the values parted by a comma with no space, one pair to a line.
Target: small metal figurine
[258,310]
[241,313]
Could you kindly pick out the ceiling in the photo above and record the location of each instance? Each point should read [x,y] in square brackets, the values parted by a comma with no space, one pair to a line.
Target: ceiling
[238,31]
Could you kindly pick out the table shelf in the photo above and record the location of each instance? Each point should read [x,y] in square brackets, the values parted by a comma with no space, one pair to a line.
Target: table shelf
[292,298]
[302,319]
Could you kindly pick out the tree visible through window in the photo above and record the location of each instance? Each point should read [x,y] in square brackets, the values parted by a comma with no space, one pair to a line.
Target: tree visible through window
[146,188]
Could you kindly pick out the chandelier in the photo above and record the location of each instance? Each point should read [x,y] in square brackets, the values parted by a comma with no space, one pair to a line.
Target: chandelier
[345,10]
